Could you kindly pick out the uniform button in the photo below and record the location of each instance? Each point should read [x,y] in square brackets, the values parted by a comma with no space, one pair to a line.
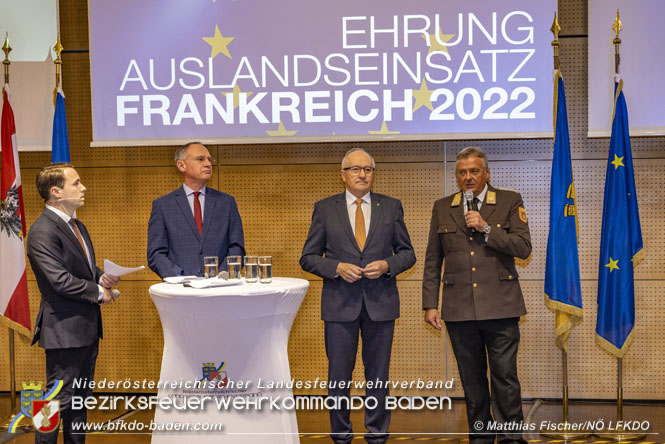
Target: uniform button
[510,277]
[445,230]
[473,269]
[498,225]
[475,285]
[470,237]
[473,253]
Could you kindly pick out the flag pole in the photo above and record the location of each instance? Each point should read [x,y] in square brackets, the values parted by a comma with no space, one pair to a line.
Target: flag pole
[566,435]
[6,48]
[619,433]
[58,64]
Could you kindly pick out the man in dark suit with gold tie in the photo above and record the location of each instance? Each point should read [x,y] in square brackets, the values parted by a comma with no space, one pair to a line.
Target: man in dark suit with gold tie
[69,322]
[481,301]
[358,243]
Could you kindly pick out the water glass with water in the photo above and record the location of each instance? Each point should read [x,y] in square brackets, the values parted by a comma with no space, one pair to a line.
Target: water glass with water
[210,264]
[265,269]
[251,268]
[234,265]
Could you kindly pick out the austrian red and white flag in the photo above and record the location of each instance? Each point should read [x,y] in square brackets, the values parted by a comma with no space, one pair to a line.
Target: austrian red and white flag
[14,306]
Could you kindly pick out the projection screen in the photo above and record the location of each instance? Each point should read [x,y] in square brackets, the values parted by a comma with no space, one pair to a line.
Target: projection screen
[225,71]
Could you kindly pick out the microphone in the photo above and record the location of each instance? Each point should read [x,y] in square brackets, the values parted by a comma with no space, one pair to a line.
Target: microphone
[470,204]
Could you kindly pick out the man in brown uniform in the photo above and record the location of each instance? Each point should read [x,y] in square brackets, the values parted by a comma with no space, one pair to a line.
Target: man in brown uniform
[481,299]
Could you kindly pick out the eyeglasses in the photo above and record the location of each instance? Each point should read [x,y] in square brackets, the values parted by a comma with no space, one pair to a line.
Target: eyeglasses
[355,170]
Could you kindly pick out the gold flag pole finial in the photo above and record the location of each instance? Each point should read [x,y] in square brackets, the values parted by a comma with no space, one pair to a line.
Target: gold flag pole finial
[555,43]
[58,63]
[617,27]
[6,49]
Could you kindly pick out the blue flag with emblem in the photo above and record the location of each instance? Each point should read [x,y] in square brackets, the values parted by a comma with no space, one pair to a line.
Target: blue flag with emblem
[620,241]
[563,294]
[60,141]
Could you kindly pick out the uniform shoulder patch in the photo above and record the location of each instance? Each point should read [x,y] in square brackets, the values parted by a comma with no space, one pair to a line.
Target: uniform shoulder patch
[522,213]
[506,189]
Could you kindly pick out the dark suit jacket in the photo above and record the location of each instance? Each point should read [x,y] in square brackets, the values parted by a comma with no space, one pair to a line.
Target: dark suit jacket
[69,314]
[331,241]
[479,278]
[174,245]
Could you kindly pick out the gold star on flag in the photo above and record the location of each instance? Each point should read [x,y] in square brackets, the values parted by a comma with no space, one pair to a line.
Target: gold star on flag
[236,93]
[384,130]
[423,96]
[613,265]
[617,162]
[218,44]
[281,131]
[434,44]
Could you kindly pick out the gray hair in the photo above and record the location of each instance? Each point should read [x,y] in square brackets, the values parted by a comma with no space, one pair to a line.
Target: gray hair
[180,151]
[473,151]
[353,150]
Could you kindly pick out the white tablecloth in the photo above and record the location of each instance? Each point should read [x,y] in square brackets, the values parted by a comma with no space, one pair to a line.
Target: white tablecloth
[246,329]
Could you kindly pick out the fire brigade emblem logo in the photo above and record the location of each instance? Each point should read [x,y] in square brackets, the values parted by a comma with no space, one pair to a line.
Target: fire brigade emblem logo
[215,374]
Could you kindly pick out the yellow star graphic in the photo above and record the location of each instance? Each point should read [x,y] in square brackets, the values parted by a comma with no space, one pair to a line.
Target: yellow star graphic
[423,96]
[219,44]
[617,162]
[384,130]
[434,44]
[613,264]
[281,131]
[236,93]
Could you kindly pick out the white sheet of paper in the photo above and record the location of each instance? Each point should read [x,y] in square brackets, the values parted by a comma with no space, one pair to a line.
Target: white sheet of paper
[215,282]
[117,270]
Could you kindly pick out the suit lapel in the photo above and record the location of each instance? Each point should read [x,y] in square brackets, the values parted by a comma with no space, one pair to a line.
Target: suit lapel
[343,215]
[375,217]
[457,214]
[208,211]
[70,237]
[487,209]
[183,203]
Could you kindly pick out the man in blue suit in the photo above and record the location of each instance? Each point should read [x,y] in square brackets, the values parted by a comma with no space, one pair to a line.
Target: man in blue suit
[358,243]
[193,221]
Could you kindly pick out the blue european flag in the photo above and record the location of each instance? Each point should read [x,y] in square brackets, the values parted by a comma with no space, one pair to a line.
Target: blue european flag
[621,239]
[563,293]
[60,141]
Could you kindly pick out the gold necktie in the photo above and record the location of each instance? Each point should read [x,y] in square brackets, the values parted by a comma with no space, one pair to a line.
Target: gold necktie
[361,236]
[72,222]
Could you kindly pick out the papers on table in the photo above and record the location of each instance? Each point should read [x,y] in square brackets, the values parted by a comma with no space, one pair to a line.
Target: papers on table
[117,270]
[179,279]
[214,282]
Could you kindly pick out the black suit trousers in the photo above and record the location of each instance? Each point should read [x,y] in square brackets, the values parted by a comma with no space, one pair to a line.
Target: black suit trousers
[475,343]
[68,364]
[341,340]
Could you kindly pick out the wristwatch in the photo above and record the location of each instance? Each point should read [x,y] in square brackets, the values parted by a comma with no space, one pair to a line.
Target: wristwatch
[487,229]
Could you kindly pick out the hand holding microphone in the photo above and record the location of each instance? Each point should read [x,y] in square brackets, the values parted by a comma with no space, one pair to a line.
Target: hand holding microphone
[472,217]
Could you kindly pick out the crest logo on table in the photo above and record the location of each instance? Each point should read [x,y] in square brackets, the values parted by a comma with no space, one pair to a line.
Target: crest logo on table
[215,374]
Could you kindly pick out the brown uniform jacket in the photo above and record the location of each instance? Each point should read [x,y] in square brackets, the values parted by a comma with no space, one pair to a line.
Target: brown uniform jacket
[479,277]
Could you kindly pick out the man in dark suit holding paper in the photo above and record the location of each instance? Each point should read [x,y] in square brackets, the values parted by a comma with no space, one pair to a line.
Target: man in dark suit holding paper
[193,221]
[358,243]
[69,322]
